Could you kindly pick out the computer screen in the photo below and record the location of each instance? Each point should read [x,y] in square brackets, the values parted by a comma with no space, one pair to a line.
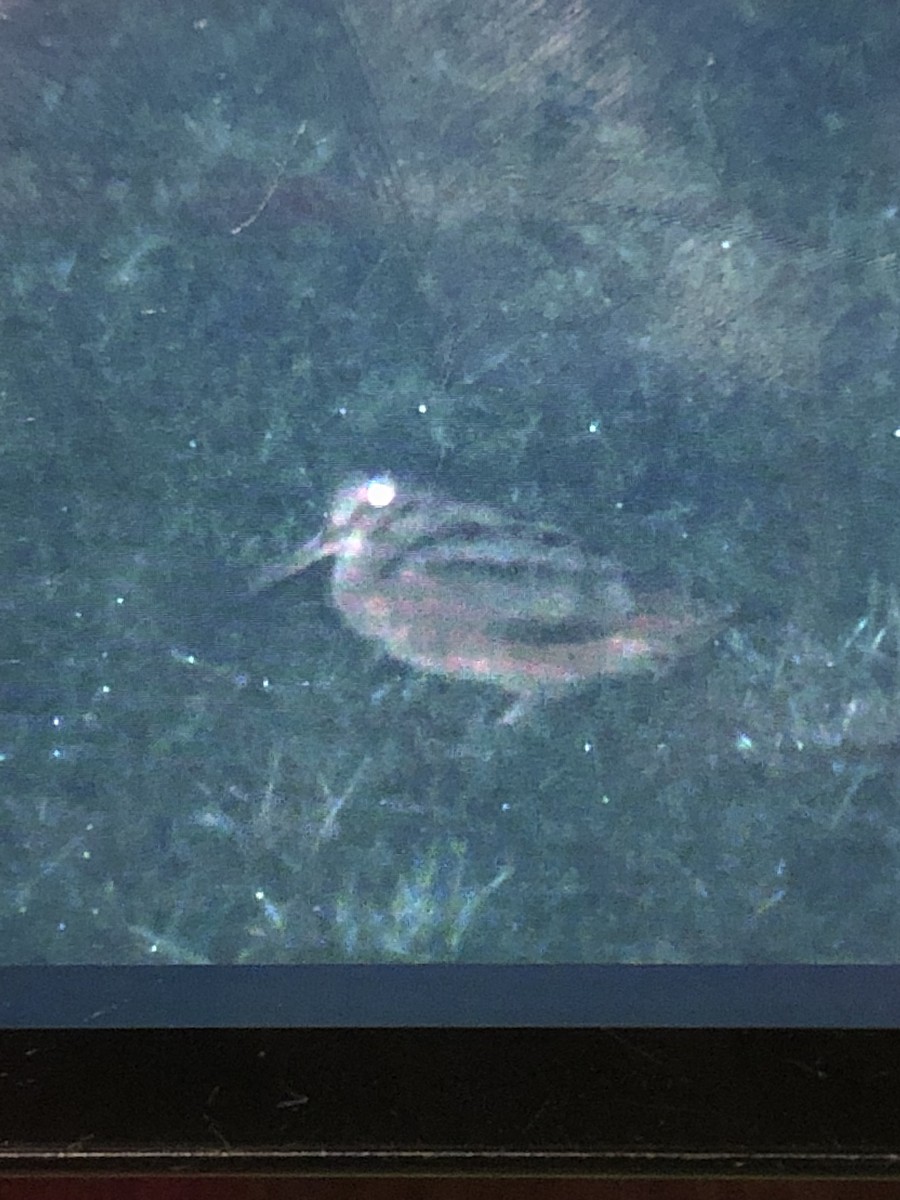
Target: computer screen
[450,470]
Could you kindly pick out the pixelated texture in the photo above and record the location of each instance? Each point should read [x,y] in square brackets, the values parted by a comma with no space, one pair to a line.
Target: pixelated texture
[627,268]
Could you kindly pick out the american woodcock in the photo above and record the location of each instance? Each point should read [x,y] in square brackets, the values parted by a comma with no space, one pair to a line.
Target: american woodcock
[464,590]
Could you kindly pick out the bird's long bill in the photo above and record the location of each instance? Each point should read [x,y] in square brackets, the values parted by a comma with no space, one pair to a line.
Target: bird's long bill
[313,551]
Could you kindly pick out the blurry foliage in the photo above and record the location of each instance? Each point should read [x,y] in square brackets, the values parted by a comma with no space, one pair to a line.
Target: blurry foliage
[632,268]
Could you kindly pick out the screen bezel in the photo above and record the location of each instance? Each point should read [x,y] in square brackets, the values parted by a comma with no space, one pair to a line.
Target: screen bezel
[388,1080]
[550,1102]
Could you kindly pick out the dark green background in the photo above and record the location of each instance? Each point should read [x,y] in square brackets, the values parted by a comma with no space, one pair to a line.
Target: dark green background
[632,271]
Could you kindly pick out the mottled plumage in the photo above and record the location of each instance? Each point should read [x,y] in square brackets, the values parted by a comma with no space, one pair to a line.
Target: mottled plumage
[465,590]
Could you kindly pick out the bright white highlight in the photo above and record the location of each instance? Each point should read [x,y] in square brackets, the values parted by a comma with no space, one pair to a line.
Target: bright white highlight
[380,492]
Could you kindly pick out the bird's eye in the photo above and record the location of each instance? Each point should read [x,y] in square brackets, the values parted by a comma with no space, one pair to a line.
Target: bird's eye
[381,491]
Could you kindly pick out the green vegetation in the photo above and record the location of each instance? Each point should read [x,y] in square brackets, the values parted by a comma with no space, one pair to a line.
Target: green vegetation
[654,302]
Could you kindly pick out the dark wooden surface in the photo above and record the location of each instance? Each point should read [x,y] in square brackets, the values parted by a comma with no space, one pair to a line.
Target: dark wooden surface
[170,1188]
